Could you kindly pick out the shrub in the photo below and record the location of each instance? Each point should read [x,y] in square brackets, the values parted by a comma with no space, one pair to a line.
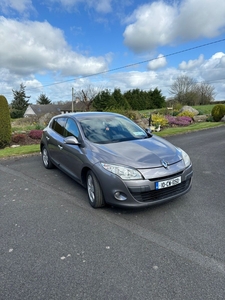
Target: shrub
[18,138]
[210,119]
[131,114]
[35,134]
[15,113]
[200,112]
[158,119]
[186,113]
[39,126]
[175,113]
[218,112]
[179,121]
[5,123]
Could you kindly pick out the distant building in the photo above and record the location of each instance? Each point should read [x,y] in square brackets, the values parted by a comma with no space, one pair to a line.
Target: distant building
[40,110]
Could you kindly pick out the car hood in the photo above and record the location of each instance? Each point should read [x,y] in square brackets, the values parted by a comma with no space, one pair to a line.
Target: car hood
[142,153]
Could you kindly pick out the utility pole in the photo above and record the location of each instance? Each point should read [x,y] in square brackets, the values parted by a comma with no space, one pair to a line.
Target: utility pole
[72,99]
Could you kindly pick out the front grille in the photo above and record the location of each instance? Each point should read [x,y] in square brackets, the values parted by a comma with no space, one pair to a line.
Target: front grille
[161,194]
[166,177]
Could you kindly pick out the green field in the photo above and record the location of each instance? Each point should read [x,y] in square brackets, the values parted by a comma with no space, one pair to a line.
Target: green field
[203,109]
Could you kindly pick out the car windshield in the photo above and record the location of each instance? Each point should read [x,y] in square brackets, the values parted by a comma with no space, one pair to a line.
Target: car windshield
[110,129]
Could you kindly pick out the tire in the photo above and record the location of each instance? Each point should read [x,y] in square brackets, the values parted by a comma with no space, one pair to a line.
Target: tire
[46,159]
[95,195]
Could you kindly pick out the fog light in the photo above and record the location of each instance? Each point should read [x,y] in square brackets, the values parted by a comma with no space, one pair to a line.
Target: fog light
[120,196]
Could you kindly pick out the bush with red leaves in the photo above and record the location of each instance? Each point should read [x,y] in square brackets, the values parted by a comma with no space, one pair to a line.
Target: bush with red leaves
[18,138]
[35,134]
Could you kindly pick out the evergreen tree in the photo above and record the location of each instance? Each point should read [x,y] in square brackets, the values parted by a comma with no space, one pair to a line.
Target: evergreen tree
[43,99]
[111,103]
[103,101]
[5,124]
[20,101]
[143,98]
[121,101]
[133,98]
[156,98]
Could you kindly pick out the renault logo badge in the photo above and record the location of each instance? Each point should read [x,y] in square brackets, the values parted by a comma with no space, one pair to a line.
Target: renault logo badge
[164,163]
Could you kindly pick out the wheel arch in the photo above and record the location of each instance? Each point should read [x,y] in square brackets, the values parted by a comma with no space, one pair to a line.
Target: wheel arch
[84,175]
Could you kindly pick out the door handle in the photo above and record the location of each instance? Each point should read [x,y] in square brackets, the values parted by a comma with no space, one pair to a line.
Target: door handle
[47,138]
[60,147]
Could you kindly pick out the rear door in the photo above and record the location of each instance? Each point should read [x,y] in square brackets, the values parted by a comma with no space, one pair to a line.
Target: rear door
[73,155]
[56,139]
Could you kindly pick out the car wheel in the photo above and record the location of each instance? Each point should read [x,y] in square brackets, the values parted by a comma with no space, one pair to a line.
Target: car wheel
[94,190]
[46,159]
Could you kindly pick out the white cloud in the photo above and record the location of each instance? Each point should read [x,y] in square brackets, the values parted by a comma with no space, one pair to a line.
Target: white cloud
[219,56]
[20,6]
[212,70]
[151,27]
[191,64]
[202,18]
[35,47]
[160,24]
[157,63]
[102,6]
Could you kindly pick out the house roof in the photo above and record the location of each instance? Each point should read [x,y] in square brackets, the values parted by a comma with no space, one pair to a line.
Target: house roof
[40,109]
[43,109]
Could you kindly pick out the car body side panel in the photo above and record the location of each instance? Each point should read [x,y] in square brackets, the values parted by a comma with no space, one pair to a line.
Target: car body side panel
[73,160]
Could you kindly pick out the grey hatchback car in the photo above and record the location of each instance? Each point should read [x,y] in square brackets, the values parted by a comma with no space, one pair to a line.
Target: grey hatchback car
[118,162]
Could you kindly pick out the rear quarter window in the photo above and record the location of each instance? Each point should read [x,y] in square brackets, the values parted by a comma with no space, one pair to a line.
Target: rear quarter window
[58,125]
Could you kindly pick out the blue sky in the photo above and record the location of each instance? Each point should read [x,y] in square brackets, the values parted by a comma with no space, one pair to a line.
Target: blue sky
[54,45]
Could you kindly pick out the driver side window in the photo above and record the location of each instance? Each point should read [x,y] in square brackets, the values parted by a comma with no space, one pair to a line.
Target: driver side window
[71,129]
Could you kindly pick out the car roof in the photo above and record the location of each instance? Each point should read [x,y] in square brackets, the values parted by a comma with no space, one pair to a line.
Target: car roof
[81,115]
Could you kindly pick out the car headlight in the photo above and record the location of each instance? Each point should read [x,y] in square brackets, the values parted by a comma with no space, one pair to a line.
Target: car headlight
[125,173]
[185,157]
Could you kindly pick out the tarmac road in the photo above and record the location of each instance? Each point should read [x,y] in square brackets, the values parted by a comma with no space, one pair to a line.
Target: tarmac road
[53,245]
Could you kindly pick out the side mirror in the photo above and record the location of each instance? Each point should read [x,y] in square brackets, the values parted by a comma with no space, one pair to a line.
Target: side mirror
[71,140]
[148,131]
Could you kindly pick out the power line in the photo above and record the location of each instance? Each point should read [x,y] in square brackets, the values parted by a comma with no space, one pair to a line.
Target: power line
[135,64]
[130,65]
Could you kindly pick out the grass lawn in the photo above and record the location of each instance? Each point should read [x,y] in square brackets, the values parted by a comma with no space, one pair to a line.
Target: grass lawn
[18,151]
[190,128]
[203,109]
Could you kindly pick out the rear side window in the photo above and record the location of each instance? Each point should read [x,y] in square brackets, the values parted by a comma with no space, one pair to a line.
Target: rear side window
[58,125]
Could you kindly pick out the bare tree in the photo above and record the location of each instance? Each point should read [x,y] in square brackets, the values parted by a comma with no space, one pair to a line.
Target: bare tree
[186,91]
[206,93]
[87,95]
[182,89]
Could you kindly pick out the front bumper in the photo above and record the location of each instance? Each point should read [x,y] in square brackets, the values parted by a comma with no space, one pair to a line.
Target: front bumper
[142,193]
